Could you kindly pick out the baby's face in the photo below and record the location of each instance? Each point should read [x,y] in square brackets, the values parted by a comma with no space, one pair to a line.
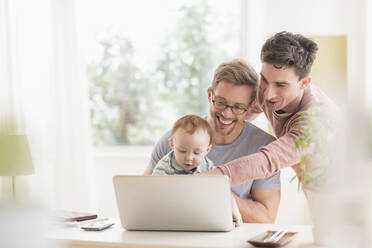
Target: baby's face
[190,149]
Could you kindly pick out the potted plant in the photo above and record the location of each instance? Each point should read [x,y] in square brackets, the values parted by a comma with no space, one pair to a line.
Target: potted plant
[314,135]
[335,175]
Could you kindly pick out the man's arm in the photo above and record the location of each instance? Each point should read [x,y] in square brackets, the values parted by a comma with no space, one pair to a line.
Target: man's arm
[262,209]
[269,159]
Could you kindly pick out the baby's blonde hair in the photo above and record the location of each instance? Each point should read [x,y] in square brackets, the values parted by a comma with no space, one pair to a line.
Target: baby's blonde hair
[191,123]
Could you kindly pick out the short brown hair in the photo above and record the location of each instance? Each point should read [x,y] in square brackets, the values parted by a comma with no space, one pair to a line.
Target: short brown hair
[237,72]
[191,123]
[285,49]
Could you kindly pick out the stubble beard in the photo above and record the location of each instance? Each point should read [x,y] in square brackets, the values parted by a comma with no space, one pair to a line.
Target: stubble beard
[220,131]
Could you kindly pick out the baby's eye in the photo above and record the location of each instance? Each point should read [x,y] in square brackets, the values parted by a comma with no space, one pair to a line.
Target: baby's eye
[197,153]
[280,85]
[182,151]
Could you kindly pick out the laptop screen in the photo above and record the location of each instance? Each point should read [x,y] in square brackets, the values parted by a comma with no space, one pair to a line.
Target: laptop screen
[174,203]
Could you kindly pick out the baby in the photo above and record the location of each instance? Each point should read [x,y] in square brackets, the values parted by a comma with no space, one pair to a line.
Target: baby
[190,142]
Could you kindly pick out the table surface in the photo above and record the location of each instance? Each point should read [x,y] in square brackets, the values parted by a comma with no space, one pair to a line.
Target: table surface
[116,236]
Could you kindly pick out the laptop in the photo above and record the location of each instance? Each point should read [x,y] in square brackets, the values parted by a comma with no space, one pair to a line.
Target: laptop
[174,203]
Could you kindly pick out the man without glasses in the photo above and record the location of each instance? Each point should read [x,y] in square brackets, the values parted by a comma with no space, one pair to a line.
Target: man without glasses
[231,95]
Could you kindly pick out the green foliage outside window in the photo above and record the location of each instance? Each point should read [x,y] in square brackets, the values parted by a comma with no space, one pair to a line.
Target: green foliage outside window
[132,107]
[121,96]
[187,63]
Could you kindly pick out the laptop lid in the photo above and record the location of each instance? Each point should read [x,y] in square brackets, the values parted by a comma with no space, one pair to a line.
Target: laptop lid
[174,203]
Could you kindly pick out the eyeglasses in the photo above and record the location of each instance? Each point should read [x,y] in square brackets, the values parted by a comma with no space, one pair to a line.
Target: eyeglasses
[221,106]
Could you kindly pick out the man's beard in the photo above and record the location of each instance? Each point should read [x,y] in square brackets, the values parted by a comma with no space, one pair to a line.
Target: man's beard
[219,131]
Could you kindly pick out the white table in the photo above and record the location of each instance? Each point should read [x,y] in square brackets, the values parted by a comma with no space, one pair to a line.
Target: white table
[116,236]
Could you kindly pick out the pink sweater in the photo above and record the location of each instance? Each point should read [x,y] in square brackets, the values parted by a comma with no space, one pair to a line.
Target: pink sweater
[280,153]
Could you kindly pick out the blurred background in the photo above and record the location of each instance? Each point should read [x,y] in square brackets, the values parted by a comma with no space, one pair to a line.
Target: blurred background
[95,83]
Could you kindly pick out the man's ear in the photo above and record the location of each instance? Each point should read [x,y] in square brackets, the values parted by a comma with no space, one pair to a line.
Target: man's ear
[305,82]
[171,144]
[248,113]
[209,92]
[253,103]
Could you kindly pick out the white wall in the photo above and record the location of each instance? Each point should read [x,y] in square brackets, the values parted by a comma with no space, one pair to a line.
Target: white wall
[111,162]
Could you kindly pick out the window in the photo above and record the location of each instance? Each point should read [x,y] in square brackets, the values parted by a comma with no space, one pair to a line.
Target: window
[149,62]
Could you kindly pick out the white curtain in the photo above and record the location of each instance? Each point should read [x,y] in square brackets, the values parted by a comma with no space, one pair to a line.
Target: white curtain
[42,75]
[10,81]
[368,54]
[6,65]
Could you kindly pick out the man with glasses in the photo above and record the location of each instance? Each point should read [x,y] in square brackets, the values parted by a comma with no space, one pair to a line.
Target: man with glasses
[231,95]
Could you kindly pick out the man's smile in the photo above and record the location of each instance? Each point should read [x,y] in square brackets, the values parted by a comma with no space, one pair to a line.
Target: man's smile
[224,122]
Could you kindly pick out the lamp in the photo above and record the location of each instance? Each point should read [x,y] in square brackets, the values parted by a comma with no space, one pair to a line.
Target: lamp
[15,157]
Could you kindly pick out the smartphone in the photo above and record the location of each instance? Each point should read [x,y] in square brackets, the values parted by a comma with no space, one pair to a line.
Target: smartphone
[97,226]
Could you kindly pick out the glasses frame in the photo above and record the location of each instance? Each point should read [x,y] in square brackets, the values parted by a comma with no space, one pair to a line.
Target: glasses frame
[233,108]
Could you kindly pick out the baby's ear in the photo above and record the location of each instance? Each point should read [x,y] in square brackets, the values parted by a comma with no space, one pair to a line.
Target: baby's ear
[171,144]
[209,148]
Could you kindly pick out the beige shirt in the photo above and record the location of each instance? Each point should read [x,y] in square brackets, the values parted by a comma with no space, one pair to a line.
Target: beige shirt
[280,153]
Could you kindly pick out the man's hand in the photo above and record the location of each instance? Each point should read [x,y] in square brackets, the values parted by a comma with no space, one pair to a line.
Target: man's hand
[147,172]
[237,218]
